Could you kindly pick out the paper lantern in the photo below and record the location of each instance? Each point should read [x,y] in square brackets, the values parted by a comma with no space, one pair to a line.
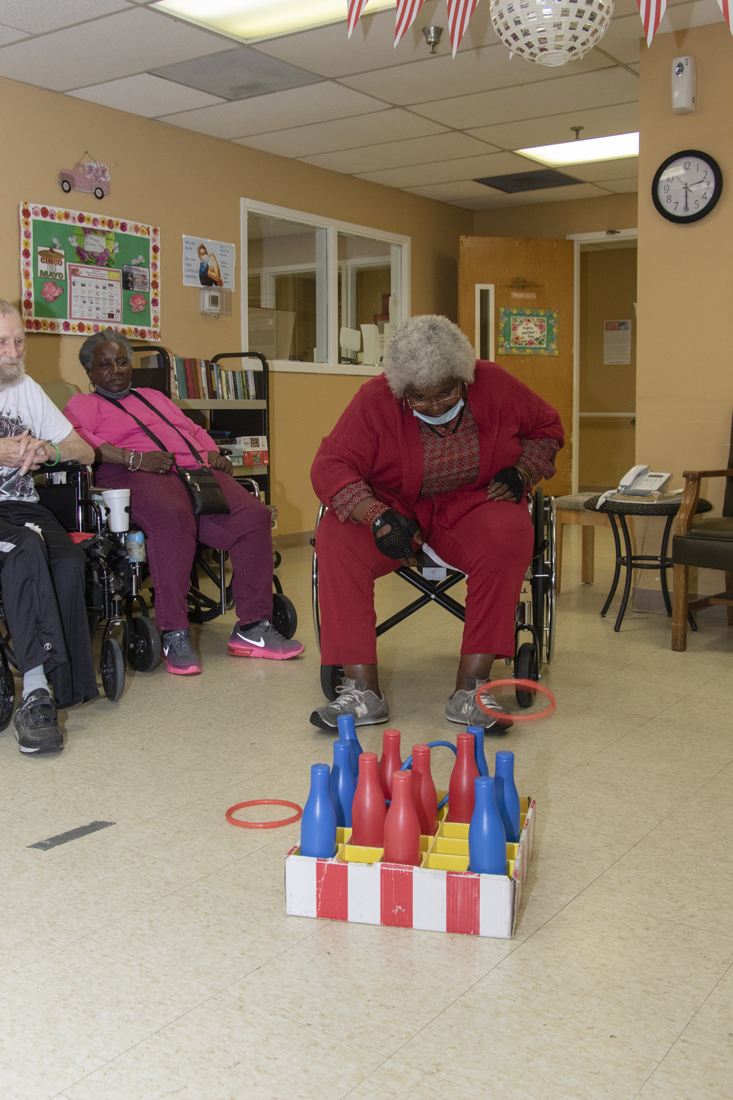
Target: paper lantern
[551,32]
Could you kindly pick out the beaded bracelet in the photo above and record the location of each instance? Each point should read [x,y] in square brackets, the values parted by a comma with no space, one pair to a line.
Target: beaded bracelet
[139,462]
[124,452]
[374,512]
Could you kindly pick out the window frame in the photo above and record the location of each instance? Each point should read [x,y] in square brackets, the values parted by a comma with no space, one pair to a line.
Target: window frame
[333,227]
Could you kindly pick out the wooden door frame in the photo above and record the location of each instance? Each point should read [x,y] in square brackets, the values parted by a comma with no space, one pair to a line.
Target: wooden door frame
[579,239]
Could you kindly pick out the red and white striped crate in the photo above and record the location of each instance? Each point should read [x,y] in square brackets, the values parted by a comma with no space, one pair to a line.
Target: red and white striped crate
[410,897]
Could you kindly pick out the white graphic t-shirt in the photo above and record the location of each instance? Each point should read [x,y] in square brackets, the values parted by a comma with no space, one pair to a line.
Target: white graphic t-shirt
[25,407]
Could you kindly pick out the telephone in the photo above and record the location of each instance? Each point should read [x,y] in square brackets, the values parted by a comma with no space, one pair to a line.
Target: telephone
[640,481]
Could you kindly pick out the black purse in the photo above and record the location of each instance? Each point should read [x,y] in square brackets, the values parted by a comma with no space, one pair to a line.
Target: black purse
[203,489]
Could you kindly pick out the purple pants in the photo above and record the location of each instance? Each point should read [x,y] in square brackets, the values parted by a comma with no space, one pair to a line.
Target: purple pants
[160,505]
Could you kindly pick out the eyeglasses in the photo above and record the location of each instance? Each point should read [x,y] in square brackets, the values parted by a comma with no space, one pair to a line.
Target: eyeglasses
[444,395]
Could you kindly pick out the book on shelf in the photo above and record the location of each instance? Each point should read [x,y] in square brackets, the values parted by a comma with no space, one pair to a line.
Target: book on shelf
[200,379]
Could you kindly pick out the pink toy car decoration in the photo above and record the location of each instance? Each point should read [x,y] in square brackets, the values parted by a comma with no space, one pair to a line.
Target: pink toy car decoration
[90,176]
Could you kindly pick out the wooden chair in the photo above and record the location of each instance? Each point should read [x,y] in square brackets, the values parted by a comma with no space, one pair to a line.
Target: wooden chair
[707,544]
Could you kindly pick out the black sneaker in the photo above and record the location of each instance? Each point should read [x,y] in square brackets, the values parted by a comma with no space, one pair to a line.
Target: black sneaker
[36,724]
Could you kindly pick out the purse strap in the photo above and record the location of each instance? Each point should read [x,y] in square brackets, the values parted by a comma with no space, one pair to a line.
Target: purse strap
[147,430]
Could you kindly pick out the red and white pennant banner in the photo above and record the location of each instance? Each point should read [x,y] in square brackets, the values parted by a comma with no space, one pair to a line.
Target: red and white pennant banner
[406,12]
[356,7]
[651,12]
[459,15]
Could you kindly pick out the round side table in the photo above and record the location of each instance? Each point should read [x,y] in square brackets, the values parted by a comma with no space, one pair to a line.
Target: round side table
[617,511]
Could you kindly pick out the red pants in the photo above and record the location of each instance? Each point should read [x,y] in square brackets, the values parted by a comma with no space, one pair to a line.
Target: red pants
[490,541]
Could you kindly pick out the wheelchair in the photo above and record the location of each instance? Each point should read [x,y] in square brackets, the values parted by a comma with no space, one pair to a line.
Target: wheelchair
[535,618]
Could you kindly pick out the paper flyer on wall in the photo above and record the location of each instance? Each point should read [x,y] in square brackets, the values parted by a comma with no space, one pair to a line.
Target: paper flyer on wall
[616,343]
[208,263]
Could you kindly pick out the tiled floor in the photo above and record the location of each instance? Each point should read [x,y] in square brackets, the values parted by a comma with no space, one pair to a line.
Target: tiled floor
[153,959]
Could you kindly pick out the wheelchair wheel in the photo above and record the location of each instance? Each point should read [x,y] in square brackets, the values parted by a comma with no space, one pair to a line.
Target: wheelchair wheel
[7,691]
[331,678]
[144,648]
[284,615]
[526,667]
[112,669]
[276,559]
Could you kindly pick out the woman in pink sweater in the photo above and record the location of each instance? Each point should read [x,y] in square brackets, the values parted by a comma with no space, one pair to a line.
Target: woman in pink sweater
[439,448]
[108,419]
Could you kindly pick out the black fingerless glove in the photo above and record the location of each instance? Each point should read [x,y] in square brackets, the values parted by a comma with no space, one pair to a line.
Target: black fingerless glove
[397,543]
[513,478]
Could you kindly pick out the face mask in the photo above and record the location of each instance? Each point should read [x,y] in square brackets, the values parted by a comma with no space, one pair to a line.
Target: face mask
[445,418]
[117,396]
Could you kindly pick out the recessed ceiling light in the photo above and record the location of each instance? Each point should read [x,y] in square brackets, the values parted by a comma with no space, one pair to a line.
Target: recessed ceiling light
[583,152]
[249,19]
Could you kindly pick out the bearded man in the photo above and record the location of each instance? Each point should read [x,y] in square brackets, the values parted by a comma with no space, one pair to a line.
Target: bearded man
[42,572]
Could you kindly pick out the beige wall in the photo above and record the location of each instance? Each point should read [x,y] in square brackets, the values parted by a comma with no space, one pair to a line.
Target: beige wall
[607,292]
[684,377]
[558,219]
[189,183]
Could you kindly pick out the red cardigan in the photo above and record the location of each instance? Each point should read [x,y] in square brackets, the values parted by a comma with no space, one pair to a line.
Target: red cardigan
[377,438]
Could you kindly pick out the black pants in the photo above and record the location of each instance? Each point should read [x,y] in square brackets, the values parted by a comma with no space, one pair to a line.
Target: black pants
[43,582]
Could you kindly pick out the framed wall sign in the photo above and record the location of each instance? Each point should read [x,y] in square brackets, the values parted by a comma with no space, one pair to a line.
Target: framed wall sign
[84,272]
[528,331]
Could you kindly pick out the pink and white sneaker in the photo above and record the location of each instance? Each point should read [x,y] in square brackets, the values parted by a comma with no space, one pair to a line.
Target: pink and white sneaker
[180,656]
[262,640]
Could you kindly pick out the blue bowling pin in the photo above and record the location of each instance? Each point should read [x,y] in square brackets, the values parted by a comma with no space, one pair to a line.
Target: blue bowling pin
[347,732]
[507,798]
[341,784]
[486,836]
[318,824]
[478,748]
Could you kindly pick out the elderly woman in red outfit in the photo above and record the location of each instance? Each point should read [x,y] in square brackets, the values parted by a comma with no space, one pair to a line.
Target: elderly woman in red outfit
[440,448]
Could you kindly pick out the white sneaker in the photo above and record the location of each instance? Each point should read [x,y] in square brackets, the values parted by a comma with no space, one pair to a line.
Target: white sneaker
[463,708]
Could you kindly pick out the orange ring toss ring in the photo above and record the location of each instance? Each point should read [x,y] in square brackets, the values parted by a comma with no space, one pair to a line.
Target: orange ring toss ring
[263,824]
[532,684]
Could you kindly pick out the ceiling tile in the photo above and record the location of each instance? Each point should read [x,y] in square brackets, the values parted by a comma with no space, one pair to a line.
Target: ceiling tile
[119,45]
[10,34]
[281,110]
[623,38]
[601,121]
[467,168]
[237,74]
[495,200]
[395,154]
[328,50]
[470,71]
[145,95]
[40,17]
[450,192]
[620,186]
[548,97]
[392,125]
[604,170]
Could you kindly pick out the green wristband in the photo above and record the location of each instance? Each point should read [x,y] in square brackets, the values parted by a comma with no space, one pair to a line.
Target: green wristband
[58,454]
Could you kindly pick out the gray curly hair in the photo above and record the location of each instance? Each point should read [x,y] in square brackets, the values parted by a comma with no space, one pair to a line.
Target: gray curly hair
[426,351]
[86,351]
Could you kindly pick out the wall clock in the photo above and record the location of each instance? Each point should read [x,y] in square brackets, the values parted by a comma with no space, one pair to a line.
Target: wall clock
[687,186]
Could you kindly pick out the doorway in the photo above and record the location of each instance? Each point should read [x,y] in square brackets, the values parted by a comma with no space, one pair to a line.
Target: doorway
[605,359]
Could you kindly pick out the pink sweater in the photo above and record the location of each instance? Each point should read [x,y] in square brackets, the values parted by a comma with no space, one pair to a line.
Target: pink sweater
[97,422]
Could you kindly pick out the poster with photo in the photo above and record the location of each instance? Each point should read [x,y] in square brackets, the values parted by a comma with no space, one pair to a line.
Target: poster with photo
[528,331]
[208,263]
[81,272]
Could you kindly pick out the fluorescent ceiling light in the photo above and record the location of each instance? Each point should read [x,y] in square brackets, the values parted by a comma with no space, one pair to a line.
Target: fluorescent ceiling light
[248,19]
[583,152]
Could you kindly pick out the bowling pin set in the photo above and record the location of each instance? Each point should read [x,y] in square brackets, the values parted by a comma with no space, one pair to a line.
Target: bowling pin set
[379,844]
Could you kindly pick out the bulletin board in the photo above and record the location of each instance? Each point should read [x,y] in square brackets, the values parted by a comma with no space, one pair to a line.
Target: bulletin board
[84,272]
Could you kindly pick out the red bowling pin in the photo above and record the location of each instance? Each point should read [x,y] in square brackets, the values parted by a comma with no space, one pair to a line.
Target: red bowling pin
[461,794]
[401,826]
[423,790]
[391,761]
[368,810]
